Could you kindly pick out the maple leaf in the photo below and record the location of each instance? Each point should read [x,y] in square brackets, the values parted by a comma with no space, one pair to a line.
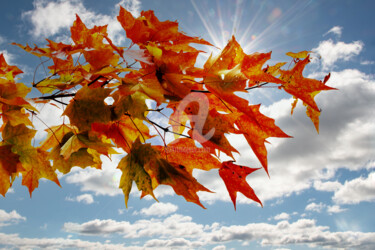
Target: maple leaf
[34,161]
[234,177]
[176,176]
[147,28]
[252,68]
[123,132]
[10,166]
[301,54]
[257,131]
[55,136]
[304,88]
[83,158]
[204,101]
[183,151]
[6,68]
[133,169]
[36,166]
[88,107]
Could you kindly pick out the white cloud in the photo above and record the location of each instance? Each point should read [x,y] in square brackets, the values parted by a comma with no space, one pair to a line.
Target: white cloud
[367,62]
[356,191]
[319,207]
[84,198]
[282,216]
[15,241]
[173,226]
[302,232]
[315,207]
[337,30]
[221,247]
[328,186]
[335,209]
[50,18]
[10,218]
[179,243]
[181,231]
[158,209]
[55,18]
[103,181]
[332,52]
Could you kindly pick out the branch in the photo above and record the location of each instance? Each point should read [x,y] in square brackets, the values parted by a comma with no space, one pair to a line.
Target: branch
[166,129]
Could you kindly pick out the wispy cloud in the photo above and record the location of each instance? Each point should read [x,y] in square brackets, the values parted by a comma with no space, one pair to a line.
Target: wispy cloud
[84,198]
[367,62]
[337,30]
[158,209]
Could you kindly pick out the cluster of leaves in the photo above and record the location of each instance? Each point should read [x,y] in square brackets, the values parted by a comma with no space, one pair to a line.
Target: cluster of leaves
[93,68]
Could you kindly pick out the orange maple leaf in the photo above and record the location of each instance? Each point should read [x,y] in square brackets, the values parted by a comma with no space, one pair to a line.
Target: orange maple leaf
[234,177]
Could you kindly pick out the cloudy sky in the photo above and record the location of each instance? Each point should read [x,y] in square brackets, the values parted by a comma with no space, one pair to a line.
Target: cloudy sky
[321,193]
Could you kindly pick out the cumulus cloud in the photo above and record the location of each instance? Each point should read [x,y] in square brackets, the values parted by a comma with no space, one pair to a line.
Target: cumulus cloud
[337,30]
[10,218]
[302,232]
[99,182]
[84,198]
[55,18]
[282,216]
[332,52]
[14,240]
[319,207]
[329,186]
[181,231]
[315,207]
[50,18]
[158,209]
[175,225]
[356,190]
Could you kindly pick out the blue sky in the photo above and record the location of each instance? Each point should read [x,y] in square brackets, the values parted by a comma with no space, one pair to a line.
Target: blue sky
[322,187]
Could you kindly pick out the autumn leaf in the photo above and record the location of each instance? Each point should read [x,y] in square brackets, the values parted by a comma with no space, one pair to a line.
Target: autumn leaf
[10,166]
[88,107]
[36,166]
[123,132]
[34,161]
[234,177]
[106,90]
[6,68]
[55,136]
[304,88]
[302,54]
[82,158]
[183,151]
[147,28]
[176,176]
[257,131]
[252,68]
[133,169]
